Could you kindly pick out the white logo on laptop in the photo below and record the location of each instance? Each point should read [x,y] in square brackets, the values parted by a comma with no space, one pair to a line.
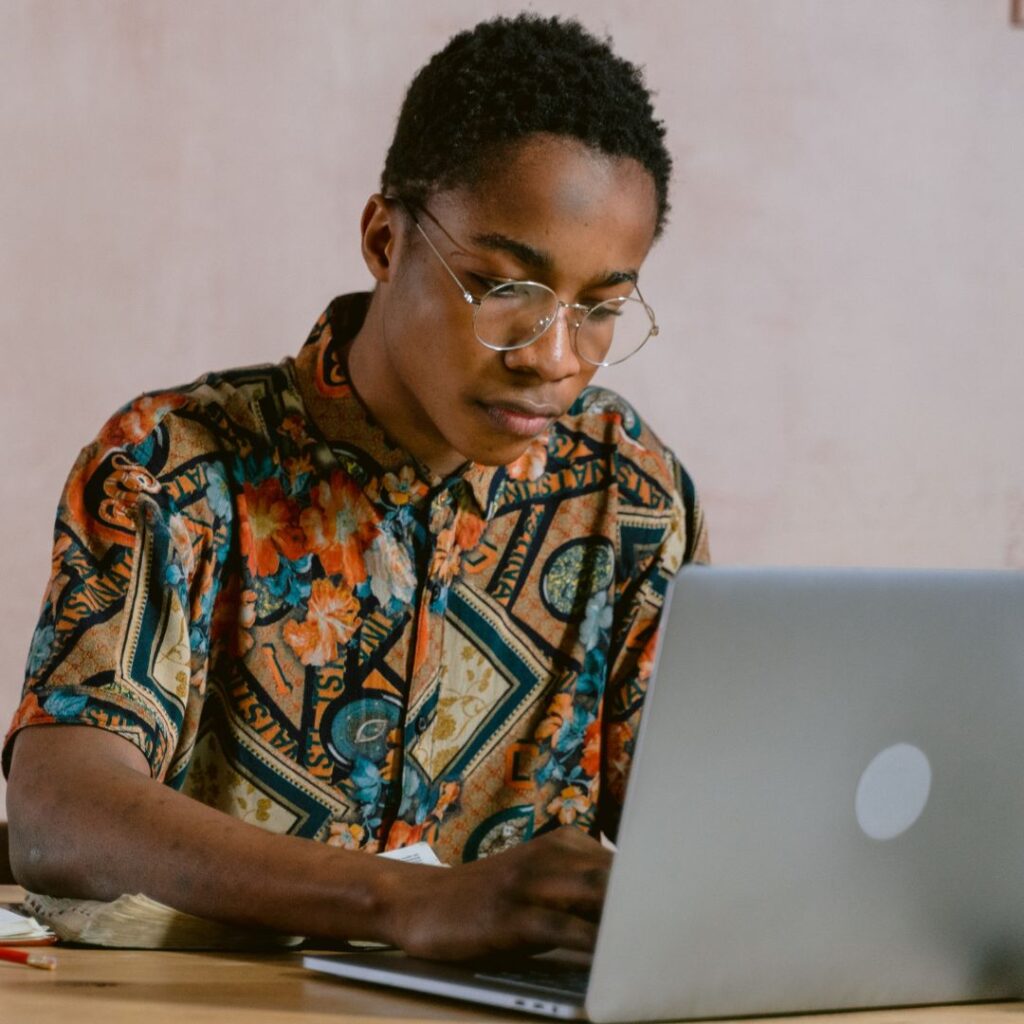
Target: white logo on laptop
[892,791]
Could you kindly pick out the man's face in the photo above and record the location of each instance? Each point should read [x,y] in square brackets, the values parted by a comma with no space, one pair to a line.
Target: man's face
[556,212]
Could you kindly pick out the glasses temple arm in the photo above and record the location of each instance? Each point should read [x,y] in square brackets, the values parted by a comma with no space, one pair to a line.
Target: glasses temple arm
[433,248]
[650,312]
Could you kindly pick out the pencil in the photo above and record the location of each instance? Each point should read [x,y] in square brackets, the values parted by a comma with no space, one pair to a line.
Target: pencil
[20,956]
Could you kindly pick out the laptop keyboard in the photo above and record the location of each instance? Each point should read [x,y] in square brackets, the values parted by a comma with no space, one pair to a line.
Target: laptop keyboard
[560,978]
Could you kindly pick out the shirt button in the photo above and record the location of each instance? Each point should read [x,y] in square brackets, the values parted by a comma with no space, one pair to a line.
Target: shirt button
[421,725]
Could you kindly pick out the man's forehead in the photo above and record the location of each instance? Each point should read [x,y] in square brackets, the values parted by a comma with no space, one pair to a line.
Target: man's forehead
[553,201]
[541,260]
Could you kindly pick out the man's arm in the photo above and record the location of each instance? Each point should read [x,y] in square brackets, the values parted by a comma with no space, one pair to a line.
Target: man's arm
[87,820]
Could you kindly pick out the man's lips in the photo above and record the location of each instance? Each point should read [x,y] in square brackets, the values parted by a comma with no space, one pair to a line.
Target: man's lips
[522,418]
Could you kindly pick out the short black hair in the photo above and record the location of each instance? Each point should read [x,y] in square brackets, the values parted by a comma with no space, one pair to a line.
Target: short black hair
[508,78]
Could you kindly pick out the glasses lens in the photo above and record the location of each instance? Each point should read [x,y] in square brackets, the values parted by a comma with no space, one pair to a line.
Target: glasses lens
[513,314]
[614,330]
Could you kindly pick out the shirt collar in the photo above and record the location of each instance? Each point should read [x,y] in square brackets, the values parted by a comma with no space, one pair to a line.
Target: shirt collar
[339,415]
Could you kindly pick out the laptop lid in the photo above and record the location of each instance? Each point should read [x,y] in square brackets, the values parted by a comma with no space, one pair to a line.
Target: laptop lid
[827,806]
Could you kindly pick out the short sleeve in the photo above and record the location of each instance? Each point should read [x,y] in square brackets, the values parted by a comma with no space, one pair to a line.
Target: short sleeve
[640,597]
[122,633]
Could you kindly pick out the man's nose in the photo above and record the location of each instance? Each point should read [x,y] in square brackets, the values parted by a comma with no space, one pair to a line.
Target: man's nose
[552,356]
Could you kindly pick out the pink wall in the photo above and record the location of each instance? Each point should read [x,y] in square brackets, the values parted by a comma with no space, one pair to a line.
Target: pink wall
[840,288]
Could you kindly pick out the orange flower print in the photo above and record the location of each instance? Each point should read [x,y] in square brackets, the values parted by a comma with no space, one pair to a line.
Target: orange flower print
[403,487]
[441,517]
[331,619]
[532,463]
[294,426]
[619,734]
[446,798]
[469,529]
[31,712]
[645,664]
[246,620]
[403,834]
[590,762]
[297,466]
[133,423]
[268,528]
[339,526]
[348,836]
[391,570]
[392,760]
[559,712]
[569,804]
[234,615]
[447,557]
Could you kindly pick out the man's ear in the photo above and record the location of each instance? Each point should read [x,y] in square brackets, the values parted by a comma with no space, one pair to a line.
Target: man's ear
[378,225]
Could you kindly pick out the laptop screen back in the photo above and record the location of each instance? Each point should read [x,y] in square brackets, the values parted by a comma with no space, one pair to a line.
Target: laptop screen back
[827,808]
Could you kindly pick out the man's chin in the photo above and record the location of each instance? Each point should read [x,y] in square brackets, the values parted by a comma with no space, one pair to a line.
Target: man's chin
[496,447]
[508,454]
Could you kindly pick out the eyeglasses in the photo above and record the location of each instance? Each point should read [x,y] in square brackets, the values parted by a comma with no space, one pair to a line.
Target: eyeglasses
[514,314]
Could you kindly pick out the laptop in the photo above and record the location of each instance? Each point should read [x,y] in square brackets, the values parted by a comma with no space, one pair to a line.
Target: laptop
[826,810]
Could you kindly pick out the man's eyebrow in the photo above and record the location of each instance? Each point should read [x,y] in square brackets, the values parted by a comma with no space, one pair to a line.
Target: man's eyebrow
[614,277]
[526,254]
[539,260]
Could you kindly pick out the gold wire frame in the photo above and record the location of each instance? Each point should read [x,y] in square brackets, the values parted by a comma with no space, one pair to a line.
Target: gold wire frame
[472,300]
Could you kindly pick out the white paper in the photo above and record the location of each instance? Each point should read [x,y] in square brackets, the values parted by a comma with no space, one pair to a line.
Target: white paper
[418,853]
[17,926]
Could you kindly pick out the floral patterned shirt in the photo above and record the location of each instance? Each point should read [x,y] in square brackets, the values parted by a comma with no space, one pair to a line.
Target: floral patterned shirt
[299,625]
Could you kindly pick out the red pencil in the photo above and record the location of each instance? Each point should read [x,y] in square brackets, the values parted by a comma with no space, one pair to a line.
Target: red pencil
[20,956]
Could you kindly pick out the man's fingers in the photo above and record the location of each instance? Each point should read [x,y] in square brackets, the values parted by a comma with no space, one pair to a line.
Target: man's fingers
[568,872]
[549,928]
[575,891]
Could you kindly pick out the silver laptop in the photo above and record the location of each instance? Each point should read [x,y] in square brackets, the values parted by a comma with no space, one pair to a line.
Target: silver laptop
[826,810]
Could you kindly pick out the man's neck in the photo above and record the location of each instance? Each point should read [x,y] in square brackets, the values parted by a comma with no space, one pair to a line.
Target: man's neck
[380,389]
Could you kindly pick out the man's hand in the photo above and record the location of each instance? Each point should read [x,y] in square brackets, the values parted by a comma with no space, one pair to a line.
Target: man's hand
[544,893]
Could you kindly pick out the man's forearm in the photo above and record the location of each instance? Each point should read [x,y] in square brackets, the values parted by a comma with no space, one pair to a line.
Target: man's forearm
[86,822]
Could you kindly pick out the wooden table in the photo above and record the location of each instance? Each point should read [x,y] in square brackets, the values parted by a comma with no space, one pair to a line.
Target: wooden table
[101,986]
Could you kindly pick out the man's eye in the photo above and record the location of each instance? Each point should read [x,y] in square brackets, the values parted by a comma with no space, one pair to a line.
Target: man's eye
[486,283]
[604,312]
[523,293]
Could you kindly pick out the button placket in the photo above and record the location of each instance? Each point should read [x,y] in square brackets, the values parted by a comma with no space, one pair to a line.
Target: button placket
[452,523]
[429,624]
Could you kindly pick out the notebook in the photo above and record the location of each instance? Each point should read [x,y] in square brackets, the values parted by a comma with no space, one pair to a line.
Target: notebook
[826,810]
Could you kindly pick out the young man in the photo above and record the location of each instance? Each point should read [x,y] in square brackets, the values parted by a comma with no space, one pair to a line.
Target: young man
[405,586]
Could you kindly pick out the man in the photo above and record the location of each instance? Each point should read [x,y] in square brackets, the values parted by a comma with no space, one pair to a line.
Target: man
[403,587]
